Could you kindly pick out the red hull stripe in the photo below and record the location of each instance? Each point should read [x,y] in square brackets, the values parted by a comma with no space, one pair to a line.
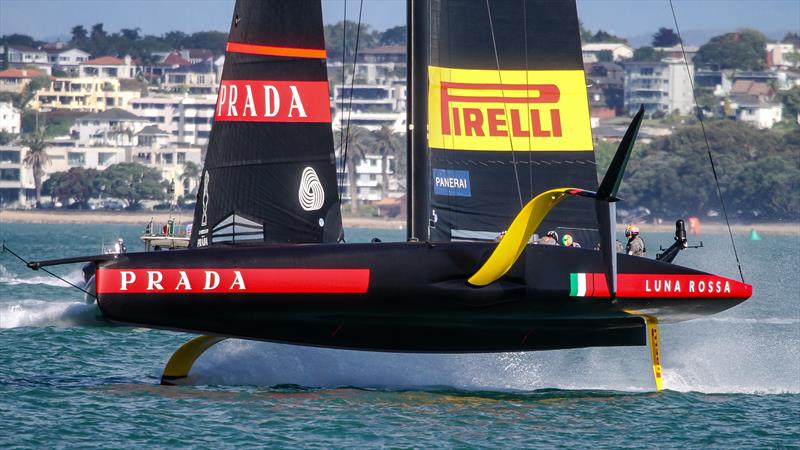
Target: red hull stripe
[653,285]
[268,50]
[232,281]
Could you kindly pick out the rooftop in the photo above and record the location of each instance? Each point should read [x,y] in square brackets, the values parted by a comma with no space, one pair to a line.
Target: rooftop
[21,73]
[104,61]
[112,114]
[385,50]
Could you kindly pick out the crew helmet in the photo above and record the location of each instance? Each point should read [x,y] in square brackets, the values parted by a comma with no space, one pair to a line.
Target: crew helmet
[553,235]
[631,230]
[566,240]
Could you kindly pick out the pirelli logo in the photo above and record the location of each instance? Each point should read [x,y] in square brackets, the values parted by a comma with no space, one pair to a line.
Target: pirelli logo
[494,110]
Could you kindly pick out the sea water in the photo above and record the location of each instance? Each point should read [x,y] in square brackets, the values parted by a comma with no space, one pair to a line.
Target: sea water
[70,379]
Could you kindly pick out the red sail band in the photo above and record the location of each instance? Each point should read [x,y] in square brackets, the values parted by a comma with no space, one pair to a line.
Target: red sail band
[268,50]
[232,281]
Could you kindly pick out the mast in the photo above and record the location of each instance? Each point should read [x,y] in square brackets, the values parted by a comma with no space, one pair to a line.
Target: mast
[417,182]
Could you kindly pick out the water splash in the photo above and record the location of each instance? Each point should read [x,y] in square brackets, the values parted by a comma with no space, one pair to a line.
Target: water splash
[9,278]
[40,313]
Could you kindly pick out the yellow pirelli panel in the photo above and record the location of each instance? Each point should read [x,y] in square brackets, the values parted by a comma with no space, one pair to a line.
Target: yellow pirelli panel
[491,110]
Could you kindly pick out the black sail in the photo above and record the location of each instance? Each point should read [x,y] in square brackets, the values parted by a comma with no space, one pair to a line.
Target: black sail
[507,114]
[270,172]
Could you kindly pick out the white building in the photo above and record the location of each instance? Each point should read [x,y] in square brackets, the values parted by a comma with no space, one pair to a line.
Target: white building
[10,118]
[67,59]
[108,67]
[370,178]
[782,55]
[114,127]
[16,181]
[197,79]
[662,86]
[20,56]
[371,106]
[187,119]
[619,51]
[760,114]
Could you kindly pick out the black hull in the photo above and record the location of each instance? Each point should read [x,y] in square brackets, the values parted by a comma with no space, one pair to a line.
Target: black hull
[415,300]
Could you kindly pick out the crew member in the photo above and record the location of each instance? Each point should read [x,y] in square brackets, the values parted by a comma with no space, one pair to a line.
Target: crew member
[551,238]
[567,241]
[635,245]
[119,247]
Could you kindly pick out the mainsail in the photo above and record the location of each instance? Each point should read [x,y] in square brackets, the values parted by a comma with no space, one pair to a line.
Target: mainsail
[270,171]
[507,114]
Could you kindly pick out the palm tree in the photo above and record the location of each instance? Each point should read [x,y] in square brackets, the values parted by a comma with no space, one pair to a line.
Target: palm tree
[359,142]
[387,144]
[35,159]
[191,172]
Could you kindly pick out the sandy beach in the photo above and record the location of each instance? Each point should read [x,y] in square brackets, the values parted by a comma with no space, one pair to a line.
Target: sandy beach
[143,217]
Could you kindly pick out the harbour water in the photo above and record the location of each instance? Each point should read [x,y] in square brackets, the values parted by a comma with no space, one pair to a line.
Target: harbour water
[69,379]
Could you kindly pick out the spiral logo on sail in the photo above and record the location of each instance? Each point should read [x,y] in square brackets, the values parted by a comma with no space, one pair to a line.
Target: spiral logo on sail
[311,194]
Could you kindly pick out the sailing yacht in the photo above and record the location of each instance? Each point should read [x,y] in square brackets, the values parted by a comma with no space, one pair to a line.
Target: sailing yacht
[499,145]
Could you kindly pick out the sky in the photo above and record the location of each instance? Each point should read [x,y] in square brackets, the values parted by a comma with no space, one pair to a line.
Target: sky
[634,19]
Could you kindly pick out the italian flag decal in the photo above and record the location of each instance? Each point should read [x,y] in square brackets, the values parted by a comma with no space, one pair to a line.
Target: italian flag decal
[657,285]
[577,284]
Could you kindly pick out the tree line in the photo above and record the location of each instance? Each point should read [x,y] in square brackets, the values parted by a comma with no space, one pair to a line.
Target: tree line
[130,182]
[758,170]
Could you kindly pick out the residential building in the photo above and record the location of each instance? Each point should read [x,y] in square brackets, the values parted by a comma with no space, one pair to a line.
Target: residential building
[16,181]
[370,106]
[196,79]
[717,82]
[196,55]
[662,86]
[782,55]
[756,102]
[83,94]
[67,59]
[10,118]
[619,51]
[15,80]
[605,82]
[168,61]
[779,78]
[113,127]
[677,52]
[21,56]
[108,67]
[369,179]
[188,119]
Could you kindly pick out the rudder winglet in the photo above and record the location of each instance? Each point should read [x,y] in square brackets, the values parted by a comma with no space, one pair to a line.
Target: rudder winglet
[183,359]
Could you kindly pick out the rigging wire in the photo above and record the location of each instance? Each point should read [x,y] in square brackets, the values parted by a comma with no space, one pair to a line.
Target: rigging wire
[705,137]
[353,195]
[505,105]
[344,74]
[6,249]
[527,92]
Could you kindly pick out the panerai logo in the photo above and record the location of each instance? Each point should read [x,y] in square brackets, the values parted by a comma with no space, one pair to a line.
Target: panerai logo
[311,193]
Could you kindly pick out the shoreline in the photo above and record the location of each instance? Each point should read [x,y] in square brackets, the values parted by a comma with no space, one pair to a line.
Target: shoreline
[143,217]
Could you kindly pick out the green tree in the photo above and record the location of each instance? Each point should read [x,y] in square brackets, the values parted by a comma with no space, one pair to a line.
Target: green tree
[359,143]
[605,56]
[665,37]
[78,183]
[35,159]
[190,175]
[79,35]
[20,39]
[743,49]
[5,137]
[791,102]
[604,36]
[388,144]
[335,36]
[133,182]
[647,54]
[393,36]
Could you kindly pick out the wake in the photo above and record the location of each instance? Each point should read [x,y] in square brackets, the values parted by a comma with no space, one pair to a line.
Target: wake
[6,277]
[40,313]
